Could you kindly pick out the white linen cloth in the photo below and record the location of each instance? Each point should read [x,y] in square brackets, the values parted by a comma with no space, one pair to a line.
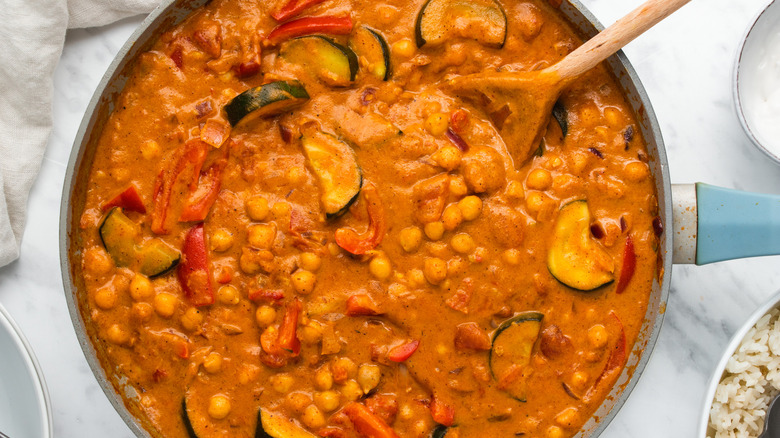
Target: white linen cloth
[31,38]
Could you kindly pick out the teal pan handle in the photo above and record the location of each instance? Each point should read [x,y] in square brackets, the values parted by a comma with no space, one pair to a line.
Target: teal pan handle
[713,224]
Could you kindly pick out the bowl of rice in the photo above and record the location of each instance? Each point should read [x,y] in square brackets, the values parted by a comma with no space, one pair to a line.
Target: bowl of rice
[746,379]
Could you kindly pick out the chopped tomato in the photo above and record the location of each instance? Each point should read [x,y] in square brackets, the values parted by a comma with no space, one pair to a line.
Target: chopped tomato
[200,201]
[355,243]
[332,432]
[459,120]
[361,305]
[309,25]
[225,275]
[293,8]
[215,132]
[128,200]
[209,38]
[266,295]
[441,412]
[191,155]
[403,352]
[366,423]
[177,57]
[628,267]
[470,336]
[384,406]
[193,271]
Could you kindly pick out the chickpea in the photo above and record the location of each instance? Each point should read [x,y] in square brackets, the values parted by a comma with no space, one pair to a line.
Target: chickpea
[343,368]
[470,207]
[97,261]
[323,379]
[165,304]
[118,335]
[415,277]
[310,333]
[511,257]
[142,311]
[458,186]
[213,363]
[219,407]
[410,238]
[380,268]
[150,149]
[298,401]
[436,124]
[351,390]
[597,336]
[462,243]
[539,179]
[452,217]
[310,261]
[328,401]
[334,249]
[265,316]
[221,240]
[637,171]
[579,379]
[303,281]
[313,418]
[613,117]
[262,236]
[369,376]
[404,48]
[448,157]
[251,260]
[141,288]
[192,319]
[515,190]
[282,383]
[535,202]
[434,230]
[554,432]
[257,208]
[435,270]
[106,297]
[568,417]
[228,295]
[281,211]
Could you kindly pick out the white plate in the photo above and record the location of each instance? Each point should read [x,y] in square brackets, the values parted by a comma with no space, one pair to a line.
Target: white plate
[24,401]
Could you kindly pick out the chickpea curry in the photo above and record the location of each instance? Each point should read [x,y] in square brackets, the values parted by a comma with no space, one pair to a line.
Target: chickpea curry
[292,229]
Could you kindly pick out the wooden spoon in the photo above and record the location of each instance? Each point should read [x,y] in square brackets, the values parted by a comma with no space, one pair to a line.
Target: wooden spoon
[521,102]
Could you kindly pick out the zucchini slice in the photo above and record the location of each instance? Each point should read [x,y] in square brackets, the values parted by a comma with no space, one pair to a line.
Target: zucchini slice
[510,352]
[273,425]
[575,258]
[335,164]
[119,235]
[265,101]
[324,58]
[371,45]
[481,20]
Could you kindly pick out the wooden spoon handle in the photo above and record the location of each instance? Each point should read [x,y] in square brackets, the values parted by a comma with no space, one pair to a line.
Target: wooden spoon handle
[613,38]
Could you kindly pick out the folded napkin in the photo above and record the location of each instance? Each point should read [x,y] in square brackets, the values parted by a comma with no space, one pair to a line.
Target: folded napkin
[32,36]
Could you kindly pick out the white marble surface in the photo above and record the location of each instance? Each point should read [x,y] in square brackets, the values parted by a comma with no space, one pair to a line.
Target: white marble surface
[685,63]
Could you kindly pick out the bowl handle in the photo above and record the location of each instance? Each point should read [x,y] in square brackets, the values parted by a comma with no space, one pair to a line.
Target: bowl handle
[712,224]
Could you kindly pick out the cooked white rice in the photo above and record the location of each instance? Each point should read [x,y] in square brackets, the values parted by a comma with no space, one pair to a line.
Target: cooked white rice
[750,381]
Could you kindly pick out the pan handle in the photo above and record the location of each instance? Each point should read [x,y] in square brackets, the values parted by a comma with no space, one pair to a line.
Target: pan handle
[712,224]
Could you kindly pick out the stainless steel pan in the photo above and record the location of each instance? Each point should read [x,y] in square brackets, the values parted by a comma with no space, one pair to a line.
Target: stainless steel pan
[123,396]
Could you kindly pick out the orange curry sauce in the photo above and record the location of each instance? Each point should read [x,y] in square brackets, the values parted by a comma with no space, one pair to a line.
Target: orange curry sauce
[453,236]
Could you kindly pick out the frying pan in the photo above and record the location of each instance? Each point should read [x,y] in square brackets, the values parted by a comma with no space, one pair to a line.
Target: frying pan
[708,223]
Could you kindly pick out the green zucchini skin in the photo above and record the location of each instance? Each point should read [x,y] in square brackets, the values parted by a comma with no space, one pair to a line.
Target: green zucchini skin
[511,322]
[440,431]
[359,48]
[265,101]
[340,185]
[431,7]
[319,53]
[158,259]
[561,116]
[186,419]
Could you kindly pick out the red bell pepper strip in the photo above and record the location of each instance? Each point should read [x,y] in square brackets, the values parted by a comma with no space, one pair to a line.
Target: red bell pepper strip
[355,243]
[441,412]
[198,208]
[193,271]
[366,423]
[615,362]
[309,25]
[361,305]
[192,154]
[628,268]
[128,200]
[288,330]
[266,295]
[403,352]
[293,8]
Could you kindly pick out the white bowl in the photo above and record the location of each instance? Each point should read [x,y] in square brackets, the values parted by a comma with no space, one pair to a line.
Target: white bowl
[747,86]
[704,421]
[24,401]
